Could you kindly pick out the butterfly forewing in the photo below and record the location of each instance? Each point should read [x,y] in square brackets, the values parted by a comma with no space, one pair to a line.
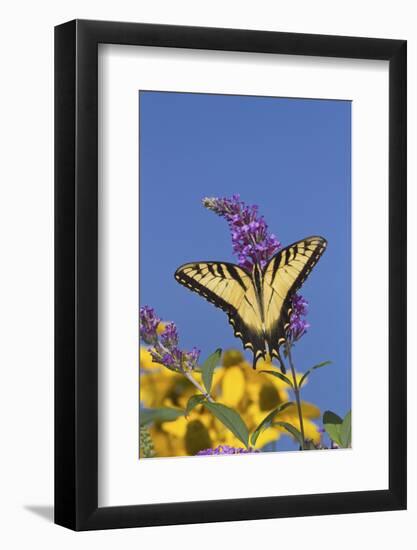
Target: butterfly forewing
[283,276]
[230,288]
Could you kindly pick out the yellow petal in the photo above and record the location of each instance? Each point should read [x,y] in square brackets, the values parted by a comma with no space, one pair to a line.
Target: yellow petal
[218,375]
[309,410]
[205,417]
[161,327]
[254,415]
[311,431]
[145,360]
[233,386]
[154,388]
[166,444]
[177,427]
[268,436]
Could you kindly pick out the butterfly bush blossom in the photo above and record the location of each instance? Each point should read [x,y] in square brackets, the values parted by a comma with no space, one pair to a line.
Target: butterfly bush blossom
[148,325]
[164,345]
[254,245]
[298,325]
[250,238]
[226,450]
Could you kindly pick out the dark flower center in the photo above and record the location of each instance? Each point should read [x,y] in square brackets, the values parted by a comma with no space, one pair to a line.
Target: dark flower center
[232,357]
[268,398]
[196,438]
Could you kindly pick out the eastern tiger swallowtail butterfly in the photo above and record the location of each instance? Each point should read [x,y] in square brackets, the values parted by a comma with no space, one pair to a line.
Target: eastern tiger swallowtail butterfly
[257,303]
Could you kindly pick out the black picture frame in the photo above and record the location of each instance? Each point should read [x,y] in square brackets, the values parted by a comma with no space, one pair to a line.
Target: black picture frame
[76,271]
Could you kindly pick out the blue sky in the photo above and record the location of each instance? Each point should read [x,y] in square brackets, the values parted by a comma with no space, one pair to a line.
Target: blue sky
[292,157]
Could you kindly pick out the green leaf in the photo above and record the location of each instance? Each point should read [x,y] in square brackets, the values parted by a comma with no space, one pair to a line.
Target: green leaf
[346,431]
[307,373]
[330,417]
[193,402]
[333,431]
[279,375]
[231,419]
[163,414]
[332,424]
[267,421]
[207,368]
[293,431]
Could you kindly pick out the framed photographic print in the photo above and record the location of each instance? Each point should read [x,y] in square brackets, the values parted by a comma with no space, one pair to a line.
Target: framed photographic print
[230,274]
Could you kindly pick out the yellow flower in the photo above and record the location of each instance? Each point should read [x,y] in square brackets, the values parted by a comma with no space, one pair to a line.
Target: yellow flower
[161,327]
[236,385]
[145,359]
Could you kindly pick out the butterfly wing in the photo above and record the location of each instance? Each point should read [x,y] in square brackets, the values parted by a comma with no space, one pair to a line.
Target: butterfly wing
[282,277]
[231,289]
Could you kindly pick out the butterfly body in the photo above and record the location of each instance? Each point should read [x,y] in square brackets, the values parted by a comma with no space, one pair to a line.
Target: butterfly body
[257,303]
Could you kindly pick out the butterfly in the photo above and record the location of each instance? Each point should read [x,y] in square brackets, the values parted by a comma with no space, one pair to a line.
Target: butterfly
[257,303]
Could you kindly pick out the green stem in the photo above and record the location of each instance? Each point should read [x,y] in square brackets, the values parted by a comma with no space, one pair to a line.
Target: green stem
[198,386]
[297,394]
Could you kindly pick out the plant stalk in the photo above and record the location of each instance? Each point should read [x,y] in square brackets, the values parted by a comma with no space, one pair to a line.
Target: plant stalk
[297,394]
[198,386]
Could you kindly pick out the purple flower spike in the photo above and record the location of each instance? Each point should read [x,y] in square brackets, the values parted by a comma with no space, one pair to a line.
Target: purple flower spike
[191,358]
[164,347]
[148,324]
[225,450]
[169,337]
[298,325]
[251,241]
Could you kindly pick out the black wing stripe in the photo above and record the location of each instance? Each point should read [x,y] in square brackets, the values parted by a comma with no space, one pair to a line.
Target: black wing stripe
[275,268]
[220,270]
[235,275]
[272,295]
[249,304]
[211,269]
[206,292]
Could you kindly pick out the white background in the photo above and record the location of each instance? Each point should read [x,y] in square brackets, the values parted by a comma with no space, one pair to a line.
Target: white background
[123,479]
[26,301]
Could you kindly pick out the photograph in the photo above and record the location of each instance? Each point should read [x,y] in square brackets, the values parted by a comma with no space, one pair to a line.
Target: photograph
[209,221]
[244,274]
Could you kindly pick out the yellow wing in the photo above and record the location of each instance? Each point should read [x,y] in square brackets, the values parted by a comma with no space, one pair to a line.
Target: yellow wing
[282,277]
[230,288]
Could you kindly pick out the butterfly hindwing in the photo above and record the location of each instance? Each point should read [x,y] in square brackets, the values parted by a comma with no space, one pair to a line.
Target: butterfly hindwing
[283,276]
[230,288]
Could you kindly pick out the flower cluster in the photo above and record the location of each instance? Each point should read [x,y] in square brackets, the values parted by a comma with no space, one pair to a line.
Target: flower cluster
[148,325]
[225,450]
[165,350]
[250,238]
[298,325]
